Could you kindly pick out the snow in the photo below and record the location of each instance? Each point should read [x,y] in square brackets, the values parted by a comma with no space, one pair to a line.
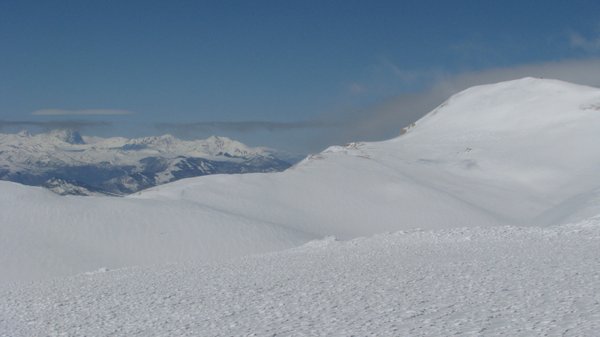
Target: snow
[494,281]
[512,153]
[67,147]
[44,235]
[481,219]
[468,163]
[67,163]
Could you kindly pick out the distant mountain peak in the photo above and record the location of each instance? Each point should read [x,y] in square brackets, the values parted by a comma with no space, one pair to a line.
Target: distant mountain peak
[68,136]
[24,133]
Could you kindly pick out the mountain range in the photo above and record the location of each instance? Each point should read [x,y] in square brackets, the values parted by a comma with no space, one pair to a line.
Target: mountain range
[68,163]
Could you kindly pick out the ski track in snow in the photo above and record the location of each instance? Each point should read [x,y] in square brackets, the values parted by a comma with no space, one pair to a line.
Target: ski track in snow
[498,281]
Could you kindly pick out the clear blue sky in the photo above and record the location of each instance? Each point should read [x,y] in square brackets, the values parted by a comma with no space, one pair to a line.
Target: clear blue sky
[301,67]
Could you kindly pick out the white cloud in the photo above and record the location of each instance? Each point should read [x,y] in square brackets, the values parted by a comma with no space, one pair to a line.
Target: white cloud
[82,112]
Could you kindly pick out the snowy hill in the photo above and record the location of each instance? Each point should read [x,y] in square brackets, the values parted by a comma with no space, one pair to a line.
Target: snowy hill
[514,153]
[45,235]
[68,163]
[492,201]
[518,152]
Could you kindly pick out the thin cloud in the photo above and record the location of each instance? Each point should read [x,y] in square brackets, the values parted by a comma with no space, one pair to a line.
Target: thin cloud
[581,42]
[50,125]
[356,88]
[583,71]
[385,65]
[82,112]
[243,126]
[386,119]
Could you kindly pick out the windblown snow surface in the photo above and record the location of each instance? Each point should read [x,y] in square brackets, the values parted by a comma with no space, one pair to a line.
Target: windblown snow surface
[489,204]
[499,281]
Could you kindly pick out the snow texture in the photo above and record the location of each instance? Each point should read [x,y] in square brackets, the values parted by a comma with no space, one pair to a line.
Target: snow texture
[497,281]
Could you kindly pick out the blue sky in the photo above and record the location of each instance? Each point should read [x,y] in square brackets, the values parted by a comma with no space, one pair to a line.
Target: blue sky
[293,75]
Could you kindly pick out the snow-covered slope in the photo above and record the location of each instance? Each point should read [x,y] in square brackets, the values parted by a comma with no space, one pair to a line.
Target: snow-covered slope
[514,153]
[493,281]
[45,235]
[67,163]
[517,152]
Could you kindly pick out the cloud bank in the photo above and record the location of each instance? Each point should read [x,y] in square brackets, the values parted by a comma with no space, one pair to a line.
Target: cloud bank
[51,125]
[582,42]
[385,119]
[244,126]
[83,112]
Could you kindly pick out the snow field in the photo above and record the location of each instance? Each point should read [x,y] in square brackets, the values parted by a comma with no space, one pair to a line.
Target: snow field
[43,235]
[494,281]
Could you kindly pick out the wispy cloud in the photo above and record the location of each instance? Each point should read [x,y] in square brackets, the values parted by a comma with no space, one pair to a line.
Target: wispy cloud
[385,65]
[356,88]
[82,112]
[243,126]
[386,118]
[385,76]
[580,71]
[581,42]
[50,125]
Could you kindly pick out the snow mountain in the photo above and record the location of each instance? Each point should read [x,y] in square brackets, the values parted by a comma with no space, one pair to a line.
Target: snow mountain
[514,153]
[482,218]
[68,163]
[521,152]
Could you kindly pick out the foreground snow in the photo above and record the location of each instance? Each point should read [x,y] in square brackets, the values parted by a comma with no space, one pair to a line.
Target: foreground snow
[489,281]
